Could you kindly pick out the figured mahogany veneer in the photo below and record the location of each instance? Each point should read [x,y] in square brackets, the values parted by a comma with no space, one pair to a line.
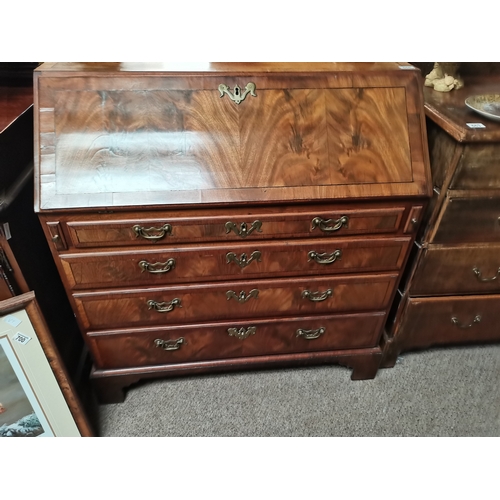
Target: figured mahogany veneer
[175,209]
[129,348]
[197,263]
[246,299]
[83,231]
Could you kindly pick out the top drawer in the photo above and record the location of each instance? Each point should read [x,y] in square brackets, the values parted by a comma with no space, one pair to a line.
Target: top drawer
[478,167]
[116,230]
[466,219]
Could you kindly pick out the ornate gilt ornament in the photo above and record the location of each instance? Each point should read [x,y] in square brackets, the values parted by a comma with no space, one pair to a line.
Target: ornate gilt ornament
[242,297]
[237,96]
[170,345]
[242,333]
[243,232]
[243,261]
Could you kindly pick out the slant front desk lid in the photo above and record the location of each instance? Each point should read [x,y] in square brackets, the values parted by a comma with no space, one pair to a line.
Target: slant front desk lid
[120,135]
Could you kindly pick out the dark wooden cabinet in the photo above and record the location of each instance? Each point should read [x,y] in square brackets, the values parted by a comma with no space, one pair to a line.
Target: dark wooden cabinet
[231,216]
[452,288]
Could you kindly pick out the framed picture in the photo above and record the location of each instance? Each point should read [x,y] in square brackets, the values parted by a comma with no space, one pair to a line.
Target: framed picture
[37,398]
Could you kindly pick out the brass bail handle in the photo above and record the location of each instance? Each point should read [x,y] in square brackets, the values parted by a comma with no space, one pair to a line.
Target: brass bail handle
[237,95]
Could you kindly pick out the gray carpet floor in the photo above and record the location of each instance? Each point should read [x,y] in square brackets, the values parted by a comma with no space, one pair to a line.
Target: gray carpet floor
[439,392]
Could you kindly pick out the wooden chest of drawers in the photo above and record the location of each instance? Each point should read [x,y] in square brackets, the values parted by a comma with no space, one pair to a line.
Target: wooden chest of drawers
[452,292]
[231,215]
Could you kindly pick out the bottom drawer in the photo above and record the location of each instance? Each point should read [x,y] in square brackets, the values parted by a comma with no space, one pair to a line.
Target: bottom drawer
[158,346]
[450,320]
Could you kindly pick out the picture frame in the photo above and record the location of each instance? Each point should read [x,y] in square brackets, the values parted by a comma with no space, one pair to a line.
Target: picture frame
[37,397]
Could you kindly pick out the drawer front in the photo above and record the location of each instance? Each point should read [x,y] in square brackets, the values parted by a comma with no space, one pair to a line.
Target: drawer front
[454,270]
[469,220]
[451,320]
[158,346]
[180,227]
[478,167]
[221,262]
[245,299]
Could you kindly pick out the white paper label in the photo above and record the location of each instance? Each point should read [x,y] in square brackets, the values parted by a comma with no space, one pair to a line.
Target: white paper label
[475,125]
[12,320]
[21,338]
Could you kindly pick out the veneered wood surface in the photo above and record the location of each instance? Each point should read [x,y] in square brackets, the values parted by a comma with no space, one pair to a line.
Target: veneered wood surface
[428,321]
[466,219]
[67,68]
[478,167]
[136,348]
[201,263]
[102,230]
[449,111]
[448,270]
[305,136]
[129,307]
[445,153]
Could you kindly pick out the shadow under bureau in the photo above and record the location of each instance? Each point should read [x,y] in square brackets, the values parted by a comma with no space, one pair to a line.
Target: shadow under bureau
[229,216]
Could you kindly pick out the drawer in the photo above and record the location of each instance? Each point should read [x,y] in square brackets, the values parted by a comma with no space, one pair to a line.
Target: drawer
[478,167]
[212,262]
[460,269]
[244,299]
[165,345]
[110,230]
[469,220]
[450,320]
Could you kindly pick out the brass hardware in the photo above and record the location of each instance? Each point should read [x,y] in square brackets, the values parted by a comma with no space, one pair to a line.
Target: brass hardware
[237,96]
[243,232]
[152,233]
[163,307]
[243,261]
[324,258]
[157,267]
[477,272]
[323,224]
[242,297]
[310,334]
[414,221]
[170,345]
[455,321]
[317,296]
[242,333]
[55,238]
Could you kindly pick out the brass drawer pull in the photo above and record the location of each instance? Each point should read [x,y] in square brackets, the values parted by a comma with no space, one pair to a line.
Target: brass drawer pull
[310,334]
[237,96]
[163,307]
[243,261]
[170,345]
[324,226]
[243,232]
[242,333]
[456,322]
[152,233]
[317,296]
[157,267]
[242,297]
[477,272]
[324,258]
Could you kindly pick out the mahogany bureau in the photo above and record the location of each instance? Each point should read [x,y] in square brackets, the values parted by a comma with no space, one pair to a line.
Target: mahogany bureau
[451,293]
[227,216]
